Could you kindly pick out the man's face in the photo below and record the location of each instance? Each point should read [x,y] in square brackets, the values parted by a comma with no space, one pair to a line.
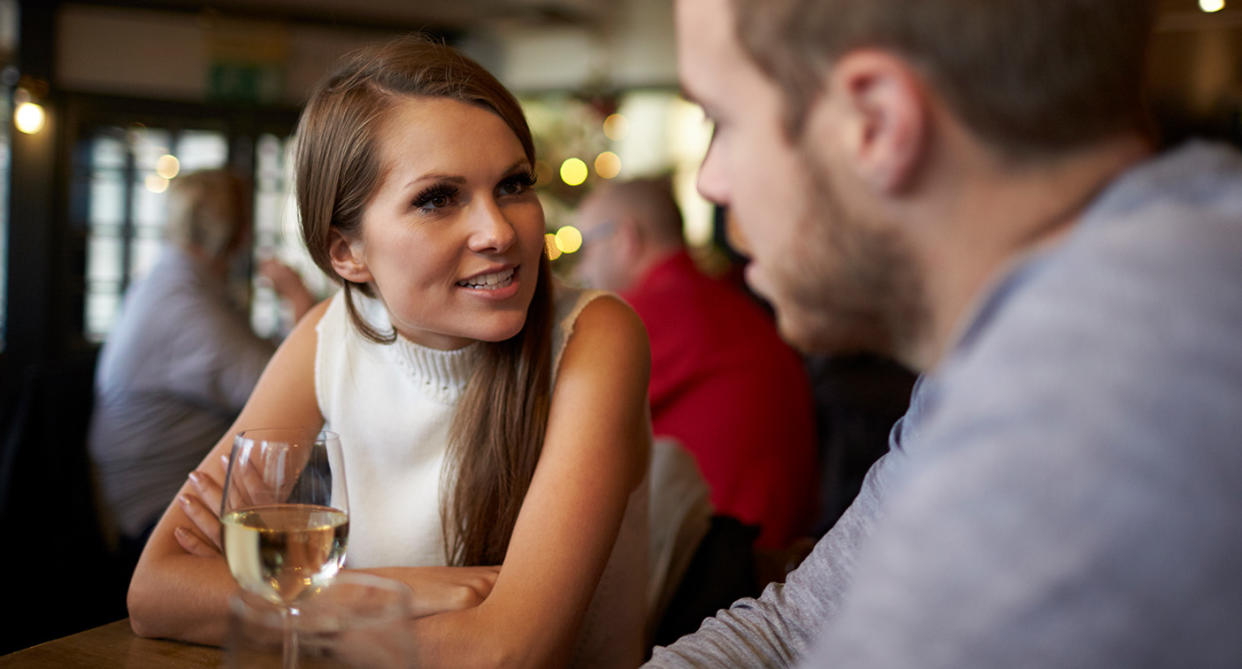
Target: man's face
[601,263]
[838,282]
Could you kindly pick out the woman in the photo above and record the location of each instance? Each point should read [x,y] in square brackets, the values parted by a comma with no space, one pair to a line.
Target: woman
[479,434]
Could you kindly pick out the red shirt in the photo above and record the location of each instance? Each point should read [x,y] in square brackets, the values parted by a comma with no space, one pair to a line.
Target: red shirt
[726,386]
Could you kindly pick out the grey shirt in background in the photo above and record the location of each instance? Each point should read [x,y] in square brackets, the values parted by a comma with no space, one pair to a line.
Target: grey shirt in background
[174,372]
[1068,492]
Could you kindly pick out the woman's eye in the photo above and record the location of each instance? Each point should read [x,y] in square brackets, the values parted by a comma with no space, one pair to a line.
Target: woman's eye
[434,198]
[516,184]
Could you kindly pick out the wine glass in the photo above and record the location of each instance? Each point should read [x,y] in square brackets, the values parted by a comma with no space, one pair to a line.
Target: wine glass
[285,517]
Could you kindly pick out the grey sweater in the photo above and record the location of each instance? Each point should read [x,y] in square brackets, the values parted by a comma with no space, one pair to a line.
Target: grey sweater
[1067,491]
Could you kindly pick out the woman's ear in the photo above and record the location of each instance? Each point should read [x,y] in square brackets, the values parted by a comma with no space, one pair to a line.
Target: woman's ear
[348,258]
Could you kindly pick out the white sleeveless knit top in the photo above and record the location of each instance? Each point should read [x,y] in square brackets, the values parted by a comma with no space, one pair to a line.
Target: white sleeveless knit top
[392,405]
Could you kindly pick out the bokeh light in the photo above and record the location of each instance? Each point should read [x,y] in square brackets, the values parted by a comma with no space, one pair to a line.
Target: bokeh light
[616,127]
[574,171]
[167,166]
[156,183]
[568,239]
[608,165]
[1211,5]
[29,117]
[554,251]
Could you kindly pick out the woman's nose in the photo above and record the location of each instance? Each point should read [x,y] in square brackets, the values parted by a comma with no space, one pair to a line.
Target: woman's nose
[491,231]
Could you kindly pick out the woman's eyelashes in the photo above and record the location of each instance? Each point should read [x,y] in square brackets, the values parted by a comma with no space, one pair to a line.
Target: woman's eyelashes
[516,184]
[435,197]
[443,195]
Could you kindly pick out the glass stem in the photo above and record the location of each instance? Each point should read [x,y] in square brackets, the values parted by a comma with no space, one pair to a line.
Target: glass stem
[289,651]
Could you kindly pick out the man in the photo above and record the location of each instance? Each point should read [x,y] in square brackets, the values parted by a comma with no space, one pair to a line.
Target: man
[181,359]
[723,384]
[966,184]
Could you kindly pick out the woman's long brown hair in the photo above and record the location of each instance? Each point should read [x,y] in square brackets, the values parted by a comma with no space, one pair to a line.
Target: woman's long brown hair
[497,432]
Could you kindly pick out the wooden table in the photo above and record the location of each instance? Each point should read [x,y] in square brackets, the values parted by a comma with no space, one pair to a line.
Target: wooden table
[113,645]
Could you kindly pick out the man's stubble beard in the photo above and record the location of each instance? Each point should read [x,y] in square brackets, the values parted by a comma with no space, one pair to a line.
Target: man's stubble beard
[853,284]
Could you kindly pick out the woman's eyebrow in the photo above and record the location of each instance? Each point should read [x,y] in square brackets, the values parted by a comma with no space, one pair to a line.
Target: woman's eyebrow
[437,176]
[520,164]
[517,165]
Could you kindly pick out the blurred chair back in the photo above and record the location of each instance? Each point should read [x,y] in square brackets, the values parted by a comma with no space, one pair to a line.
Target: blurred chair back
[62,575]
[700,562]
[680,513]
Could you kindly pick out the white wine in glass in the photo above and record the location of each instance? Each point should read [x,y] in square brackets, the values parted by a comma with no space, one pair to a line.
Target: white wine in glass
[285,516]
[277,551]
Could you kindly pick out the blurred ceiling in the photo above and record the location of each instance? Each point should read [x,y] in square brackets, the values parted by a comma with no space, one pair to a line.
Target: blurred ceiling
[451,15]
[456,15]
[465,16]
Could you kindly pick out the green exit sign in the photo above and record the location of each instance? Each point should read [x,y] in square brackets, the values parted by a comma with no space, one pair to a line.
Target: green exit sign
[243,82]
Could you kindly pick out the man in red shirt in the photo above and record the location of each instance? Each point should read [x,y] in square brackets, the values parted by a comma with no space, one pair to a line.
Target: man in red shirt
[723,383]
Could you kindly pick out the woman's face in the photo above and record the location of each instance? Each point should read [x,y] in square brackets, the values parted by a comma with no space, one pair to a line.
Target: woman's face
[453,236]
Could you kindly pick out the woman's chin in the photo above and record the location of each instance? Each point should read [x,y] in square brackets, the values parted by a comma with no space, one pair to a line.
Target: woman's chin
[502,330]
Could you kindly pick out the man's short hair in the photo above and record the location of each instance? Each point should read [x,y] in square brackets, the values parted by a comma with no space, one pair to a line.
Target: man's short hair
[650,199]
[1029,77]
[207,211]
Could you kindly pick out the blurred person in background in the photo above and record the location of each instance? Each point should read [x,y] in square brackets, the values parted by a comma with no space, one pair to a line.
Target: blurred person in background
[181,360]
[969,187]
[723,383]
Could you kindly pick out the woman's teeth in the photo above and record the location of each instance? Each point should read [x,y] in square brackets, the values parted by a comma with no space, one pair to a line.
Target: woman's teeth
[489,281]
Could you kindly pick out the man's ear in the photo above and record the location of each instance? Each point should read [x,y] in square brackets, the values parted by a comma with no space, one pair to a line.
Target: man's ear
[629,238]
[878,109]
[348,258]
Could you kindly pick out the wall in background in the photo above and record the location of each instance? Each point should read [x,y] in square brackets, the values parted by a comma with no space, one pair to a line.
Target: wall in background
[185,56]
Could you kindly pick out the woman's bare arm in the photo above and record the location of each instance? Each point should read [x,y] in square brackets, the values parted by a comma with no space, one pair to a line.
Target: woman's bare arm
[180,595]
[435,589]
[594,455]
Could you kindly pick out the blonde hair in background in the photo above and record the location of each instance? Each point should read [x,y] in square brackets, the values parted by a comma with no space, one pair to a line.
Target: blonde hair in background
[207,211]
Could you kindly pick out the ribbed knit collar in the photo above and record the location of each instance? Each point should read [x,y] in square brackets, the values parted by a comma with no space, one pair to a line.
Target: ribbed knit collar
[443,374]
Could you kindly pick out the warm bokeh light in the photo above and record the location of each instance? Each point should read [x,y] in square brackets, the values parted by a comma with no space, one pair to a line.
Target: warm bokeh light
[568,239]
[574,171]
[1211,5]
[615,127]
[608,164]
[167,166]
[554,251]
[156,183]
[29,117]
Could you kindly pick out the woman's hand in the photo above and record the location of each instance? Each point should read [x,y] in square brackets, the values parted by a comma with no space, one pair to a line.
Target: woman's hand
[178,594]
[436,589]
[443,589]
[201,503]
